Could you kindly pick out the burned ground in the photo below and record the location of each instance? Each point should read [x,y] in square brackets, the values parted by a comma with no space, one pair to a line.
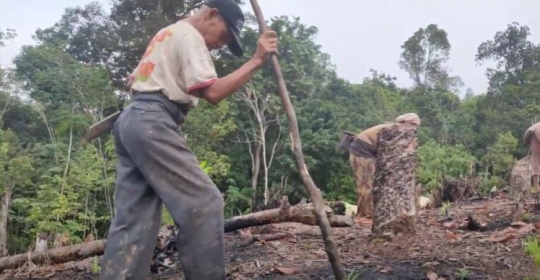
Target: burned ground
[443,248]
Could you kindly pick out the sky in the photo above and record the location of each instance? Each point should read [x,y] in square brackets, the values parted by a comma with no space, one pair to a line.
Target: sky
[359,35]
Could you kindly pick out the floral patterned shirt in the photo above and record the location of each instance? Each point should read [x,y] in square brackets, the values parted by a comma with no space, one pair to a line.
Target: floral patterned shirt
[177,63]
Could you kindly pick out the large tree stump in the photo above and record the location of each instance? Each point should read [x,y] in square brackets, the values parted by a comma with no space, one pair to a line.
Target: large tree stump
[394,192]
[520,180]
[520,185]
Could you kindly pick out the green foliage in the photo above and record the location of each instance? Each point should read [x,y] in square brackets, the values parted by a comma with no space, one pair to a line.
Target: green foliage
[436,162]
[532,248]
[462,273]
[499,155]
[73,76]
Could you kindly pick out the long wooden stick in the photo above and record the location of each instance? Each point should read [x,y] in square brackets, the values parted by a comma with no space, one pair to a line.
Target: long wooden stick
[314,192]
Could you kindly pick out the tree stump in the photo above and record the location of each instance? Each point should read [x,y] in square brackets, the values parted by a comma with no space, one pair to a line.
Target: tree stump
[394,188]
[520,186]
[520,180]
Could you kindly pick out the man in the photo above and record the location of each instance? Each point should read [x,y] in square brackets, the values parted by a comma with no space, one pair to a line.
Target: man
[155,164]
[532,139]
[363,152]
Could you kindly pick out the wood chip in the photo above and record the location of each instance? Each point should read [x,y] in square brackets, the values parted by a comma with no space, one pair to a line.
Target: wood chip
[286,270]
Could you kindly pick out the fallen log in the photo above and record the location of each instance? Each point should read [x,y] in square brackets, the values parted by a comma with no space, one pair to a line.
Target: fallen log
[303,213]
[55,255]
[394,188]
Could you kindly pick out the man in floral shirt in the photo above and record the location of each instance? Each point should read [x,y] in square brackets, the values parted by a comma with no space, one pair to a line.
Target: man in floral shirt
[155,164]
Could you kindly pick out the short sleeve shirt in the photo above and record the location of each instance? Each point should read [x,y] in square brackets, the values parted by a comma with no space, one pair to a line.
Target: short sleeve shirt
[177,63]
[370,135]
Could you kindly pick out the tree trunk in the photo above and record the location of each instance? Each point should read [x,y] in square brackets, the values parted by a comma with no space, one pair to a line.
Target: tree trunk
[41,242]
[302,213]
[520,185]
[520,180]
[255,175]
[4,212]
[394,189]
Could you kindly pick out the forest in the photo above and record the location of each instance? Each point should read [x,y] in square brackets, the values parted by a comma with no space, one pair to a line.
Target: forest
[55,182]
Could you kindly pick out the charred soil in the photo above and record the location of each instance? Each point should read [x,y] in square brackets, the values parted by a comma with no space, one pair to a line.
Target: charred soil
[444,247]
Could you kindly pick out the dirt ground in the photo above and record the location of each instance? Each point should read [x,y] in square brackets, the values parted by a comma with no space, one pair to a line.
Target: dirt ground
[443,248]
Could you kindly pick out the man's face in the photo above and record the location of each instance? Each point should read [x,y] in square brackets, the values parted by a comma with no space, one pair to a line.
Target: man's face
[216,33]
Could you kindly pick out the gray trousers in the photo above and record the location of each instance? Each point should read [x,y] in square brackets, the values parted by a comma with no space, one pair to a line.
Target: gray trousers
[156,166]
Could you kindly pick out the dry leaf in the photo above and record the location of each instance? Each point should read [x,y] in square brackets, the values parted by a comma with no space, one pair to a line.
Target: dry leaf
[363,221]
[428,264]
[526,229]
[504,236]
[384,270]
[432,275]
[450,225]
[452,236]
[518,224]
[537,225]
[245,232]
[286,270]
[320,252]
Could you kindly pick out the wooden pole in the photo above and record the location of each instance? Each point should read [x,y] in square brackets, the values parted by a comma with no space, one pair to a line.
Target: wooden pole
[314,192]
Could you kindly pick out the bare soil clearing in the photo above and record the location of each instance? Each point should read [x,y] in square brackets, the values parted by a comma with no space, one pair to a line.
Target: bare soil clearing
[443,248]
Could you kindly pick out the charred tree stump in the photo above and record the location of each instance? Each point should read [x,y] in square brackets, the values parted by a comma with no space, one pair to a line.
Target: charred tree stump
[394,188]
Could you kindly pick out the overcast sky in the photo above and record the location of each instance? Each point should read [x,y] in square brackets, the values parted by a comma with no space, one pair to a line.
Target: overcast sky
[358,34]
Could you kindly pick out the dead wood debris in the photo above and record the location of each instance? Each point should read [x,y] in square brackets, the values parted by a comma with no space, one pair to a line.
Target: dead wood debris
[166,243]
[495,253]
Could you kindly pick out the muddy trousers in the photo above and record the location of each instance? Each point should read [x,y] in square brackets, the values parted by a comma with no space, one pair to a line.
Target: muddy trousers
[363,170]
[156,167]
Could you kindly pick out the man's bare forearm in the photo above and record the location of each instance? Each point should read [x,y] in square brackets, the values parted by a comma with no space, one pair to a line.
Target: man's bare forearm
[231,83]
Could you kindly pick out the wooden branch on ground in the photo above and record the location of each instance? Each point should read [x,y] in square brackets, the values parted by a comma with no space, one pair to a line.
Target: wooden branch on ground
[285,214]
[56,255]
[314,192]
[303,213]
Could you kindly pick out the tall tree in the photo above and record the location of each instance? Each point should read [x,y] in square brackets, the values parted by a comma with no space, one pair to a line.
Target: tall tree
[513,84]
[424,56]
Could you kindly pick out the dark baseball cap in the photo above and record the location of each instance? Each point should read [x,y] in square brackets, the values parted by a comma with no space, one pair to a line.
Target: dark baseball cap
[234,17]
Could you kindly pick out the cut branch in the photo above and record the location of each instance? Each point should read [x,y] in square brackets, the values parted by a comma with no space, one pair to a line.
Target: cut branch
[314,192]
[303,213]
